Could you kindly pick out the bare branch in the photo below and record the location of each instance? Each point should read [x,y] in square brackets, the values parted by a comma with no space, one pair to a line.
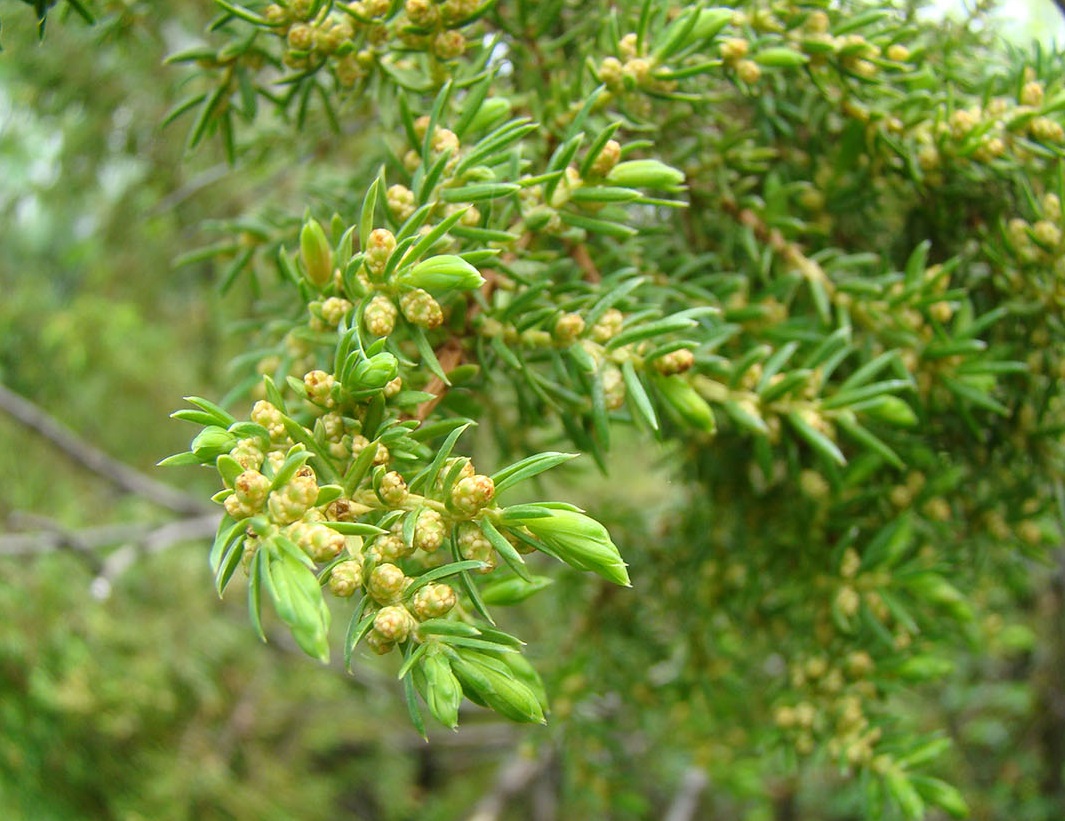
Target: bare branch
[116,472]
[686,802]
[135,538]
[515,775]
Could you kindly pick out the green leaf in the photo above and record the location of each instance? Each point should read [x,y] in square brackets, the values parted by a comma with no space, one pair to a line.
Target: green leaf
[504,548]
[297,598]
[255,597]
[427,478]
[529,467]
[637,394]
[367,214]
[442,572]
[816,439]
[358,626]
[514,590]
[413,710]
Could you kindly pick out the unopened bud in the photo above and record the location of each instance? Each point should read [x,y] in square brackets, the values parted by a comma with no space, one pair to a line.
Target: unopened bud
[379,247]
[400,202]
[421,309]
[374,373]
[386,583]
[345,578]
[580,541]
[433,601]
[316,254]
[606,160]
[380,316]
[675,362]
[645,174]
[393,623]
[567,328]
[251,487]
[393,489]
[444,272]
[319,385]
[430,531]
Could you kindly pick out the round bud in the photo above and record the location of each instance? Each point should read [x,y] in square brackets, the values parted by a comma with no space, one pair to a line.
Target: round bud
[345,578]
[386,583]
[393,623]
[433,601]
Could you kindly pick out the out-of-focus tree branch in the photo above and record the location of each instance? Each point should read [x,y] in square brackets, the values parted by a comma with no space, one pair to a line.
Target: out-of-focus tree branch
[516,774]
[685,805]
[118,473]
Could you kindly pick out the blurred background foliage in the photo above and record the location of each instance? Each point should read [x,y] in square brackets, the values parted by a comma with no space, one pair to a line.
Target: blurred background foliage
[146,699]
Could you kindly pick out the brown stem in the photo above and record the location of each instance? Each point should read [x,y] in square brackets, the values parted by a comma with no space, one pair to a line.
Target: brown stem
[579,254]
[450,357]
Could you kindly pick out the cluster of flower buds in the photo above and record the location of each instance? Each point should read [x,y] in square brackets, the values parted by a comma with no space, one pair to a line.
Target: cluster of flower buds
[353,37]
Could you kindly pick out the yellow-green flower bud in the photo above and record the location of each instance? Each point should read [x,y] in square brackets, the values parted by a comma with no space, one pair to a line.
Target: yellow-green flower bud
[321,543]
[421,309]
[473,493]
[393,489]
[301,37]
[393,623]
[1046,234]
[319,385]
[237,508]
[345,578]
[265,414]
[386,583]
[287,504]
[1046,130]
[251,488]
[334,309]
[567,328]
[613,387]
[748,71]
[608,326]
[422,13]
[379,248]
[733,49]
[611,72]
[316,254]
[675,362]
[449,44]
[430,531]
[898,53]
[390,548]
[379,644]
[380,316]
[358,442]
[1032,94]
[400,202]
[474,545]
[248,453]
[607,158]
[443,140]
[433,601]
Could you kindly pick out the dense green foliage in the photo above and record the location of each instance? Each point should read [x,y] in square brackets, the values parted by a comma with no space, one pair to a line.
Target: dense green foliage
[813,251]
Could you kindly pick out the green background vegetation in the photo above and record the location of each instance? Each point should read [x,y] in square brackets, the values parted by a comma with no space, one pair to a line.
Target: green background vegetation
[156,701]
